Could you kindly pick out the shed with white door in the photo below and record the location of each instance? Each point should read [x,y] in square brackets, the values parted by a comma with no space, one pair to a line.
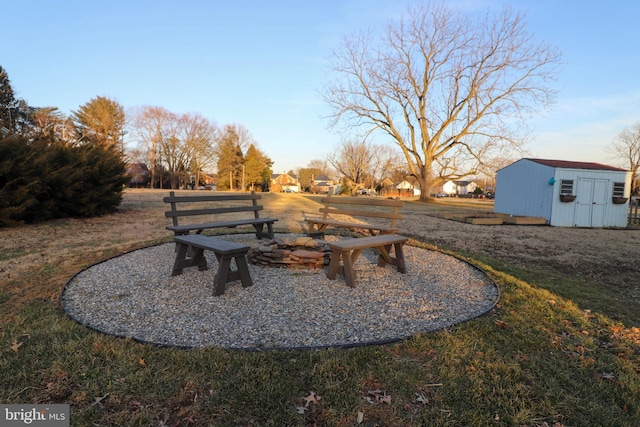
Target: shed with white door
[565,193]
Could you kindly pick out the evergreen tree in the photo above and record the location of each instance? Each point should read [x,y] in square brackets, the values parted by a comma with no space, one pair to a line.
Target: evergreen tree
[14,113]
[101,121]
[230,160]
[257,168]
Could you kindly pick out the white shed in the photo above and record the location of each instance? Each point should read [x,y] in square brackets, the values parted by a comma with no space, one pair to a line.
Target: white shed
[565,193]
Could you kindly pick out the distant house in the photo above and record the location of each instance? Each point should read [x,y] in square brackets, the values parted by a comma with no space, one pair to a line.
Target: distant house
[284,183]
[138,175]
[462,188]
[406,189]
[565,193]
[322,184]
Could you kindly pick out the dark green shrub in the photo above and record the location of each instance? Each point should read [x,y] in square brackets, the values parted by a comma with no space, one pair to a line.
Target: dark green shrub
[44,179]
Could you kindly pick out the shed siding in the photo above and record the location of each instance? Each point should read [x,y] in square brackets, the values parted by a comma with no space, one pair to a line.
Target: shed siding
[593,206]
[523,189]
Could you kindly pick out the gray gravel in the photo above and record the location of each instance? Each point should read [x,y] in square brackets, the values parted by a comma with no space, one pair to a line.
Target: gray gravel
[133,295]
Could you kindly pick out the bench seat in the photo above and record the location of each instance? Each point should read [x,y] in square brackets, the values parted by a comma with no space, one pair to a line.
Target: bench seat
[319,225]
[347,251]
[190,253]
[257,223]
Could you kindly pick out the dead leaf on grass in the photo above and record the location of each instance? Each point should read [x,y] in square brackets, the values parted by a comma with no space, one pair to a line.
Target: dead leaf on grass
[501,324]
[607,376]
[15,345]
[378,396]
[421,398]
[98,400]
[312,398]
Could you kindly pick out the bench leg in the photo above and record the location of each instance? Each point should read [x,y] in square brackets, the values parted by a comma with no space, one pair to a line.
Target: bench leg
[194,259]
[225,274]
[243,270]
[316,230]
[347,264]
[334,264]
[400,263]
[385,258]
[346,268]
[222,276]
[260,230]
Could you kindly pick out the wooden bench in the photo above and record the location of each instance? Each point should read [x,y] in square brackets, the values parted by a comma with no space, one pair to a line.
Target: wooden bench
[190,253]
[212,205]
[349,250]
[367,207]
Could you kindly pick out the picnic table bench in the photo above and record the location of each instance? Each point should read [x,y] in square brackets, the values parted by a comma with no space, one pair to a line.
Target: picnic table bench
[336,208]
[348,251]
[210,206]
[190,253]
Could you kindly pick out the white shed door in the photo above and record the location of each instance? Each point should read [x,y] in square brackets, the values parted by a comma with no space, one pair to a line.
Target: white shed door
[591,196]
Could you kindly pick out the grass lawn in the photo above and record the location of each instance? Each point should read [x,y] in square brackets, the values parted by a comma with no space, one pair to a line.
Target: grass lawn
[535,360]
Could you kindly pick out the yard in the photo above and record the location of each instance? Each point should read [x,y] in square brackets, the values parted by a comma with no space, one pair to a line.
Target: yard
[562,348]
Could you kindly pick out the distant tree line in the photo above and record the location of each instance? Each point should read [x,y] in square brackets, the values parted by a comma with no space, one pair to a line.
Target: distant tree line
[52,166]
[182,150]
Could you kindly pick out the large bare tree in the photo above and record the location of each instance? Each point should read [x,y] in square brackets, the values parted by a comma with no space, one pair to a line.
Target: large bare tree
[448,89]
[183,143]
[149,124]
[626,150]
[352,160]
[362,163]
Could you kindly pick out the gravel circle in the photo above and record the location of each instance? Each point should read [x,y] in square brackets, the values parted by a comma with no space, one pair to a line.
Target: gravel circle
[133,295]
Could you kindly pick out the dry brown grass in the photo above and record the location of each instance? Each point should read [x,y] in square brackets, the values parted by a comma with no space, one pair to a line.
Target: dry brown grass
[535,360]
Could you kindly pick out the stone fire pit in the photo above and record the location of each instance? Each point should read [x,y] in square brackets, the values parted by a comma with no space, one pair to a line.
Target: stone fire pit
[300,252]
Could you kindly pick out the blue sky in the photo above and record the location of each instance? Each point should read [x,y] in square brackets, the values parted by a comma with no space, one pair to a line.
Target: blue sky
[262,64]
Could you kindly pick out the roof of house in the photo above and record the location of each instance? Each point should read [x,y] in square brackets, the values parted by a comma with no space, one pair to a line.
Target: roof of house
[575,165]
[276,175]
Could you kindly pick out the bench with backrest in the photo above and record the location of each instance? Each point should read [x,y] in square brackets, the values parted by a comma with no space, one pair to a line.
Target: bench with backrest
[220,211]
[190,253]
[344,254]
[339,212]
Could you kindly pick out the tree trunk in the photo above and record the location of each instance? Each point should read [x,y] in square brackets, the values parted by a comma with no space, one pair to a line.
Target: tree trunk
[425,180]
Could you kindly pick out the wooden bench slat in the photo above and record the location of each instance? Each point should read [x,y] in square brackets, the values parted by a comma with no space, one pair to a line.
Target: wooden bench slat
[211,198]
[362,201]
[212,211]
[351,225]
[367,242]
[211,243]
[353,212]
[221,224]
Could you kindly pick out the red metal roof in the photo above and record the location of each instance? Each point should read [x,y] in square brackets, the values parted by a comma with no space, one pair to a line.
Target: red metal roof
[576,165]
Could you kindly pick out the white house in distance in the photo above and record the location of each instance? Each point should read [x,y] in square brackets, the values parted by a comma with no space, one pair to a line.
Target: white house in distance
[565,193]
[451,188]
